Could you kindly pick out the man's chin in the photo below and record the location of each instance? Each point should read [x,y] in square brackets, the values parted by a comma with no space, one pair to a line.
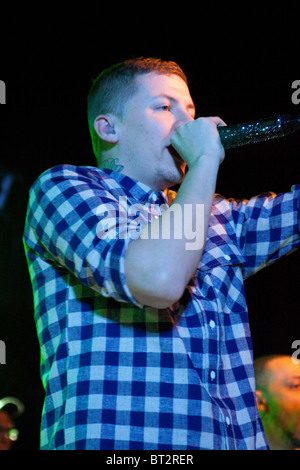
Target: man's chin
[175,177]
[175,172]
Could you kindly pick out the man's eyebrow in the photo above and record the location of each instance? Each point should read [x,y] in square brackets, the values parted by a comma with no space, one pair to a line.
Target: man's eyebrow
[190,105]
[293,377]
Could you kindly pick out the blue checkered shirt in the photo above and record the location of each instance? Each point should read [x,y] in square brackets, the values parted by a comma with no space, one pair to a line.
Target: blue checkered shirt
[120,375]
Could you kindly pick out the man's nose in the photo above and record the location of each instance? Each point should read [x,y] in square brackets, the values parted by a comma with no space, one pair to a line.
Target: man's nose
[181,122]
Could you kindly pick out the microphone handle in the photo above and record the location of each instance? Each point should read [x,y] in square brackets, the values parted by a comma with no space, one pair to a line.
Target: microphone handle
[258,131]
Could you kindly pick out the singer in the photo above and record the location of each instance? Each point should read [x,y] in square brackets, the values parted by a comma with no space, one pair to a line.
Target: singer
[145,344]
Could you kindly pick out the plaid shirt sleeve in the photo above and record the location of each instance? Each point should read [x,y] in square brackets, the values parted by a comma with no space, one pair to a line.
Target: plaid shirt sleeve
[66,217]
[267,227]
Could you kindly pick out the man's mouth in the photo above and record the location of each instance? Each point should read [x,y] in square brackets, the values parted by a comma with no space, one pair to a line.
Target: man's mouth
[175,155]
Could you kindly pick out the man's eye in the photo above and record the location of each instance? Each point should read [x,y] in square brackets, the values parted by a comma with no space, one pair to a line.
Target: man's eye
[165,107]
[293,383]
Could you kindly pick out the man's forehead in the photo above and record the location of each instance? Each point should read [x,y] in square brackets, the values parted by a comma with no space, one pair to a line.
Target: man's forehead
[172,86]
[162,83]
[283,366]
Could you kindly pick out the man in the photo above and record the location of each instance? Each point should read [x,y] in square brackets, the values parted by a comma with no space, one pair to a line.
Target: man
[7,433]
[145,341]
[278,396]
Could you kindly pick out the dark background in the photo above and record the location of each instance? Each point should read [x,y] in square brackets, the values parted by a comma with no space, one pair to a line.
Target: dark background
[241,63]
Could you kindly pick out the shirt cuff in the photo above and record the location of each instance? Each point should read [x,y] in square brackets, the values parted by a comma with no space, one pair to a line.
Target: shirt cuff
[115,284]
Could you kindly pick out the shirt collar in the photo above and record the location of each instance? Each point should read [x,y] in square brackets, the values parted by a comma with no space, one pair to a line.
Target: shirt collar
[135,188]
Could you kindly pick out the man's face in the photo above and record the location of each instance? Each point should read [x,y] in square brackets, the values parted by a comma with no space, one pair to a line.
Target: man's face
[6,425]
[284,395]
[151,117]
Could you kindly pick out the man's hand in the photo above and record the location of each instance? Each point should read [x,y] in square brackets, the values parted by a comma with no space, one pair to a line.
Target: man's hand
[198,138]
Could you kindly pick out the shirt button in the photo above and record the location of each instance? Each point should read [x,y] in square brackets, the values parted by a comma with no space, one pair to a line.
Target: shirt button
[227,421]
[212,324]
[227,257]
[212,375]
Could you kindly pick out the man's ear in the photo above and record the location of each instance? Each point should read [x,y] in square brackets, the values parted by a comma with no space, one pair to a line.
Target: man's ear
[104,126]
[262,402]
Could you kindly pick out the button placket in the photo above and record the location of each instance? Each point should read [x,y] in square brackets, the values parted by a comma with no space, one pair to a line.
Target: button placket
[213,360]
[206,307]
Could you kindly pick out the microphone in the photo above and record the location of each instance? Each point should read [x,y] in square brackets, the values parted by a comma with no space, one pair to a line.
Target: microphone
[258,131]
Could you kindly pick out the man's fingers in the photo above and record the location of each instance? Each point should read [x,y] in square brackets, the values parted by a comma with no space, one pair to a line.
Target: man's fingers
[217,120]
